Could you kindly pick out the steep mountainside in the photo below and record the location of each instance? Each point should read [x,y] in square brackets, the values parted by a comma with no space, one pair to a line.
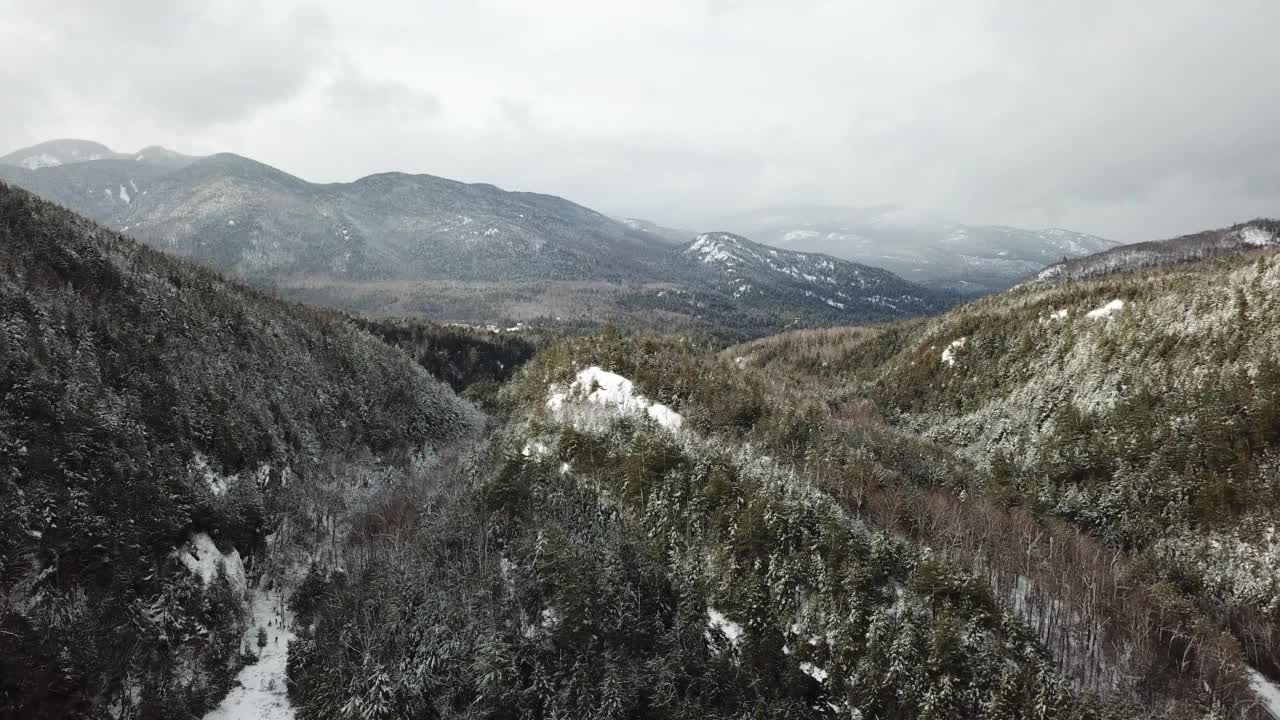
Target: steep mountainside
[397,244]
[1211,243]
[158,424]
[971,259]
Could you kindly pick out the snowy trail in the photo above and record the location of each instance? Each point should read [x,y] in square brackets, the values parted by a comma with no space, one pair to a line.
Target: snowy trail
[260,694]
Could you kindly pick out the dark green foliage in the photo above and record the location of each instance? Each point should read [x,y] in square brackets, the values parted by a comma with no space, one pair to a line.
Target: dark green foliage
[465,358]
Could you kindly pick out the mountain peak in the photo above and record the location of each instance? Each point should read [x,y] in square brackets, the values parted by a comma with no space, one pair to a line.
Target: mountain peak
[53,153]
[714,247]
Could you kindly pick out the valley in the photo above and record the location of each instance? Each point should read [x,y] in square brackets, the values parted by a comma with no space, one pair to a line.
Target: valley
[710,360]
[1054,501]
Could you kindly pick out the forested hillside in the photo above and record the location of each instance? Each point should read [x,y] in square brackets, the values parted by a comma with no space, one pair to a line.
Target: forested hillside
[158,424]
[1243,237]
[661,530]
[1139,408]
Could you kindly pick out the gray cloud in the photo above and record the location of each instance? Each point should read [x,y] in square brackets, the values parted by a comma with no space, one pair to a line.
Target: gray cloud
[354,92]
[1130,118]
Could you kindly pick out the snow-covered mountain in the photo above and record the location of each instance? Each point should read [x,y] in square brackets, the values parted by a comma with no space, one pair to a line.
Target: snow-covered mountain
[1236,239]
[923,248]
[59,152]
[255,221]
[806,282]
[395,243]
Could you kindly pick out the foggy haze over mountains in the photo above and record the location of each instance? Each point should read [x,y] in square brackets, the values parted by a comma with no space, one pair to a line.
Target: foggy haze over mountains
[984,111]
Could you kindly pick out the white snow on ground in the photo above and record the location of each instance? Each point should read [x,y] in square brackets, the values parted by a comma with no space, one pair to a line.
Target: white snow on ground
[217,484]
[1059,314]
[1253,235]
[1268,692]
[611,390]
[1105,311]
[124,194]
[202,558]
[717,621]
[710,249]
[949,352]
[260,694]
[534,449]
[42,160]
[814,671]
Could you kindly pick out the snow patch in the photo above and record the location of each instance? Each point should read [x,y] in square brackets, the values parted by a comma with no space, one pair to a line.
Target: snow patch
[716,620]
[42,160]
[1256,236]
[814,671]
[216,483]
[124,194]
[949,352]
[202,558]
[1268,692]
[1105,311]
[711,249]
[603,388]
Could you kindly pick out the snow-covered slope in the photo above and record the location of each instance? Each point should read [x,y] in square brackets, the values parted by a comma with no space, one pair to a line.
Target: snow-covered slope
[751,273]
[1234,240]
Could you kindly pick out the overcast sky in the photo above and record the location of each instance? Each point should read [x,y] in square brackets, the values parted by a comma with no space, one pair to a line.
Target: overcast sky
[1133,119]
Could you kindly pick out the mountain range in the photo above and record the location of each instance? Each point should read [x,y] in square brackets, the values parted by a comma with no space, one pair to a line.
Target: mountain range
[921,247]
[399,244]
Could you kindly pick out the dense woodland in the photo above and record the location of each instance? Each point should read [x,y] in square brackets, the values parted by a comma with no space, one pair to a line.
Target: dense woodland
[127,380]
[814,526]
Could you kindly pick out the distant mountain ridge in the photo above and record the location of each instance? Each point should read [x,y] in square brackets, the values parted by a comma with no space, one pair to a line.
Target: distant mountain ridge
[1233,240]
[394,243]
[818,283]
[922,248]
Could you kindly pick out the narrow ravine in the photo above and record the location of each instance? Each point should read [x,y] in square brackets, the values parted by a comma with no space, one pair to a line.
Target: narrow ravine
[260,693]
